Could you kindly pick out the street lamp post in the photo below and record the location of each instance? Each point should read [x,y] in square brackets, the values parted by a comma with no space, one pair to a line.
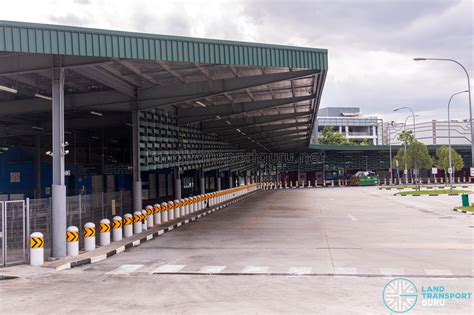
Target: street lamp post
[414,136]
[449,141]
[390,150]
[469,93]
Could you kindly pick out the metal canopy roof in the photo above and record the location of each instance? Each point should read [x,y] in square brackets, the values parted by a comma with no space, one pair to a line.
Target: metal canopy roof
[235,90]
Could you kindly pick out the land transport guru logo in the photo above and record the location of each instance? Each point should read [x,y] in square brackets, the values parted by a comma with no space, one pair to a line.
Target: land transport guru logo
[400,295]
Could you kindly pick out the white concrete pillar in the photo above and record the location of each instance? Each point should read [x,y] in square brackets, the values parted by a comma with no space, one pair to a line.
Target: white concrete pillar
[72,241]
[127,225]
[117,232]
[137,222]
[104,232]
[144,220]
[164,212]
[156,214]
[89,236]
[170,210]
[37,249]
[150,217]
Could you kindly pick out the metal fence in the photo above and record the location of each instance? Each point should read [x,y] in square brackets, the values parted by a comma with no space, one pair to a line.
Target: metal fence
[80,209]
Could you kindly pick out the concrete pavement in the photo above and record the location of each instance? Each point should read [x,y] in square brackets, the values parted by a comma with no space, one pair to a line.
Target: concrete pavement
[320,250]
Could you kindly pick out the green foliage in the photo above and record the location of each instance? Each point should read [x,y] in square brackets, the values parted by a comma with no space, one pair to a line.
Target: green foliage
[406,137]
[423,158]
[364,142]
[442,159]
[329,136]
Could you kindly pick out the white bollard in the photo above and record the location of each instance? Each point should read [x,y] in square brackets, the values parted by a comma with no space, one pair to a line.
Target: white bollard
[177,210]
[144,220]
[150,218]
[170,210]
[156,214]
[186,206]
[72,241]
[104,235]
[117,232]
[127,225]
[137,222]
[182,210]
[36,249]
[164,212]
[89,236]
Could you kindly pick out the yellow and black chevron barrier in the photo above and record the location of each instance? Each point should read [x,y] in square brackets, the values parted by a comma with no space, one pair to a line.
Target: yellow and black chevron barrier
[36,242]
[117,224]
[104,228]
[137,218]
[127,220]
[72,236]
[89,232]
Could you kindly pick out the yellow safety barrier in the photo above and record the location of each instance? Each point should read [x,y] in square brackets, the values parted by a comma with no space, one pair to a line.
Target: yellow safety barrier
[38,242]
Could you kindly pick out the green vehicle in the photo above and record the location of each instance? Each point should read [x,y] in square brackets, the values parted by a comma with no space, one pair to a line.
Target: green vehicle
[364,178]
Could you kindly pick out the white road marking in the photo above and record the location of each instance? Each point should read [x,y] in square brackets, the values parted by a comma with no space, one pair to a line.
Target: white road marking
[168,268]
[136,243]
[255,269]
[124,269]
[300,270]
[149,237]
[161,232]
[178,225]
[438,272]
[212,269]
[352,217]
[120,249]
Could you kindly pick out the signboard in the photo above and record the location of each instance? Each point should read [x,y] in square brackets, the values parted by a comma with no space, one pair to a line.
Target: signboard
[14,177]
[434,171]
[472,171]
[405,172]
[450,170]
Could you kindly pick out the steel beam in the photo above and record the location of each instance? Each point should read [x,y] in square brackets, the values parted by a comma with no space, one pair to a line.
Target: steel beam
[191,115]
[246,122]
[231,134]
[107,79]
[270,135]
[151,97]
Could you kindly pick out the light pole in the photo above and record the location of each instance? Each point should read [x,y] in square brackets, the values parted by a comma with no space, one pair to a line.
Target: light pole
[414,136]
[390,150]
[469,93]
[449,141]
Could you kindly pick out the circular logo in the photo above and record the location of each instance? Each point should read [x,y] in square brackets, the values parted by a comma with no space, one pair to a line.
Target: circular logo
[400,295]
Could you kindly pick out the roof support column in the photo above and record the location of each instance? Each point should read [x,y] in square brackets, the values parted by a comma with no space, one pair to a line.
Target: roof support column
[177,184]
[218,180]
[231,179]
[58,186]
[202,187]
[37,166]
[137,181]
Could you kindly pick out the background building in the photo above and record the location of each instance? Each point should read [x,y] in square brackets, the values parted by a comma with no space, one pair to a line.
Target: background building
[350,122]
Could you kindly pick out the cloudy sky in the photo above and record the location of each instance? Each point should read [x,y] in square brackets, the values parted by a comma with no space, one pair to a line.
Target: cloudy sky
[371,43]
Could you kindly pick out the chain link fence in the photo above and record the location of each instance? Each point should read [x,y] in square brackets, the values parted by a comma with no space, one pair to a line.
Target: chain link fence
[80,209]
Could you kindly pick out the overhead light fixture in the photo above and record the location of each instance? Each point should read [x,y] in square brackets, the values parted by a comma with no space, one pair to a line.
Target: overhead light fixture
[45,97]
[96,113]
[218,117]
[95,138]
[68,132]
[129,124]
[37,128]
[243,133]
[200,103]
[238,130]
[227,122]
[8,89]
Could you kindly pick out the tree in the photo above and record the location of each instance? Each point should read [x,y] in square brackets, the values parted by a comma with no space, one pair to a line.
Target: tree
[329,136]
[364,142]
[406,137]
[418,149]
[442,159]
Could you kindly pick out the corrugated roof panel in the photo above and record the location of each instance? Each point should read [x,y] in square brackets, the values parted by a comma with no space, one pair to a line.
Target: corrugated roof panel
[76,41]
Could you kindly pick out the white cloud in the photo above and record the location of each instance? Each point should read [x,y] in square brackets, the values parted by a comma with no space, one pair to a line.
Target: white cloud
[371,43]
